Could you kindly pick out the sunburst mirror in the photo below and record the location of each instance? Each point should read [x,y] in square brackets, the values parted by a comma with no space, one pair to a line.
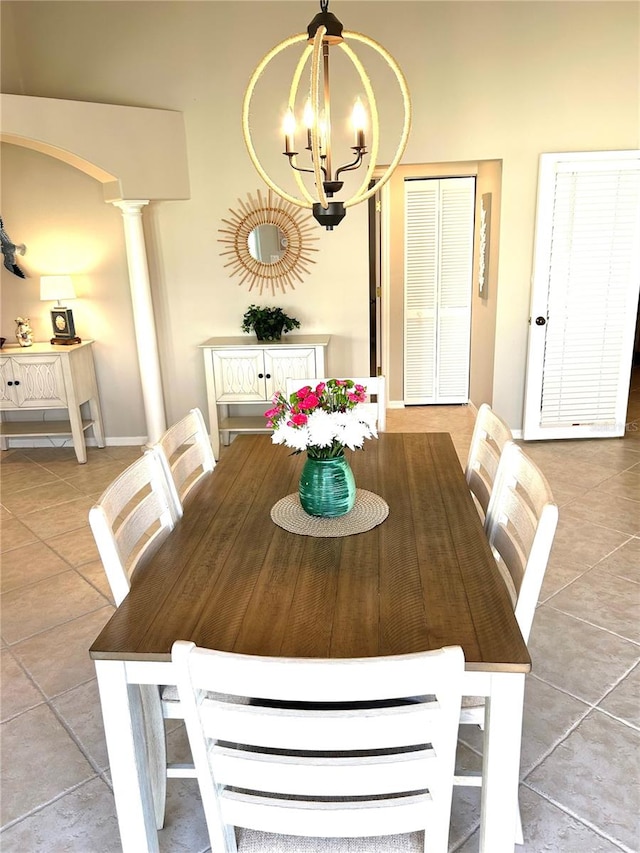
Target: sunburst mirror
[267,242]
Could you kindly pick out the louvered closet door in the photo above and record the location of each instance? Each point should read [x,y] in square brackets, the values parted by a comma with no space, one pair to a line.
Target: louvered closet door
[437,278]
[584,296]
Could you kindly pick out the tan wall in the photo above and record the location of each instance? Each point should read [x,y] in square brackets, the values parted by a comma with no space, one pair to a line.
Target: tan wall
[500,81]
[484,306]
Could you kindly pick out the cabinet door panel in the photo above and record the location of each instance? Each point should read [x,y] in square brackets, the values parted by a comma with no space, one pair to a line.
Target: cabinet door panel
[8,398]
[283,364]
[41,383]
[239,375]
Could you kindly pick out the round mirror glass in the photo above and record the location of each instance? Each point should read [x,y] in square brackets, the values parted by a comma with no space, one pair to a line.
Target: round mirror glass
[267,244]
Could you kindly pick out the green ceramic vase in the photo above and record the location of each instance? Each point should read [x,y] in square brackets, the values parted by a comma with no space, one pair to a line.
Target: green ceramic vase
[327,487]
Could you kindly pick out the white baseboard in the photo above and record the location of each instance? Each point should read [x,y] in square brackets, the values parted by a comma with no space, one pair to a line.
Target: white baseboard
[116,441]
[399,404]
[122,441]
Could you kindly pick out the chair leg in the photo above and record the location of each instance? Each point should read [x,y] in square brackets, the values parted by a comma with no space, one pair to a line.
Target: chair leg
[519,835]
[476,782]
[230,839]
[156,748]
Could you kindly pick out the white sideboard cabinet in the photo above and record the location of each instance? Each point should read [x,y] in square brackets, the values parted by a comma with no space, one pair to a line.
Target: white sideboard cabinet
[241,371]
[44,377]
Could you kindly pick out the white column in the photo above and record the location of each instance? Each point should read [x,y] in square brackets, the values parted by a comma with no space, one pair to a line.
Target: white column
[146,338]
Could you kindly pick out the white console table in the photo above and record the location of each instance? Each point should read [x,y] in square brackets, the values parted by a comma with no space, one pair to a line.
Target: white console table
[245,371]
[46,376]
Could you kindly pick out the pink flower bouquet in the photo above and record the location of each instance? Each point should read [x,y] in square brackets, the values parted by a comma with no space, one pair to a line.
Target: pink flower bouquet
[322,420]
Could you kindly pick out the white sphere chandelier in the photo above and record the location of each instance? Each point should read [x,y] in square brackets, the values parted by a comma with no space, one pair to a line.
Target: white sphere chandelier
[324,33]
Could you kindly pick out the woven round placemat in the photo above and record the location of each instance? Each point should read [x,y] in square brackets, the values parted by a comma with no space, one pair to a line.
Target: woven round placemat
[368,511]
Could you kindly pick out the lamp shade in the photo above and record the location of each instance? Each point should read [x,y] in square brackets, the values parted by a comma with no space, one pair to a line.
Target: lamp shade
[56,287]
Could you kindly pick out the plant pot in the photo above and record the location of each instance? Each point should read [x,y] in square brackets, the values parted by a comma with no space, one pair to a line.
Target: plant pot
[327,487]
[268,335]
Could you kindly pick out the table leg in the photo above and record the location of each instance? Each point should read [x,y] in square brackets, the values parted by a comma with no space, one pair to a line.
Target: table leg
[156,748]
[501,762]
[124,731]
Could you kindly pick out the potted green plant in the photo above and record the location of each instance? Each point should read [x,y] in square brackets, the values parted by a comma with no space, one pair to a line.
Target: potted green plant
[268,323]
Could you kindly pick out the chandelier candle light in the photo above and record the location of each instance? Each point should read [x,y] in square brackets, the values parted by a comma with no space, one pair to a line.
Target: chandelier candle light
[323,421]
[324,32]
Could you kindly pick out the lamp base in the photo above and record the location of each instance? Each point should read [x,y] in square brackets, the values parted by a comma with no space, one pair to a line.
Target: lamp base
[65,342]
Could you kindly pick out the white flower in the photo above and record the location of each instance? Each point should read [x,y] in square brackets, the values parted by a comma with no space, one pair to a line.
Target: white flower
[278,436]
[295,437]
[354,433]
[321,428]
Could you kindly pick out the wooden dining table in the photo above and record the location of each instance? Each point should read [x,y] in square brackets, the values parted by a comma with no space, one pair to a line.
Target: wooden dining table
[229,578]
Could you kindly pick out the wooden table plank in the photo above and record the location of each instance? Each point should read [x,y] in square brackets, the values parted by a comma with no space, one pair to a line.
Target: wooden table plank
[438,541]
[404,627]
[308,632]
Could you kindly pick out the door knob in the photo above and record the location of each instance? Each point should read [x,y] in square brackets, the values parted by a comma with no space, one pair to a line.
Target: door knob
[540,321]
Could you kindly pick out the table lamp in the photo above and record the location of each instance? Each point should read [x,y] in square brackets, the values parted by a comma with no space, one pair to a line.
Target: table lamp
[56,288]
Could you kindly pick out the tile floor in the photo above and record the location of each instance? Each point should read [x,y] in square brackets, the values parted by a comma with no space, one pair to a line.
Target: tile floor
[580,765]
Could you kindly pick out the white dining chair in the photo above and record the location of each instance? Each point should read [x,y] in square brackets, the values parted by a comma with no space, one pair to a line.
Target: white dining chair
[375,387]
[132,517]
[330,749]
[521,523]
[185,453]
[490,434]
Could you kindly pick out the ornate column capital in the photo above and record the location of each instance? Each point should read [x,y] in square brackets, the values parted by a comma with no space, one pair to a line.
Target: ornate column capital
[131,206]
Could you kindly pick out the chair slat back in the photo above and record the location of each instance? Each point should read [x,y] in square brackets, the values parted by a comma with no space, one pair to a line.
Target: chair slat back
[375,386]
[325,747]
[130,520]
[521,523]
[490,434]
[186,454]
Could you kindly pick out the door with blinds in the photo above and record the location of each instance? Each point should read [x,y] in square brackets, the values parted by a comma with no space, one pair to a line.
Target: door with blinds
[438,259]
[584,301]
